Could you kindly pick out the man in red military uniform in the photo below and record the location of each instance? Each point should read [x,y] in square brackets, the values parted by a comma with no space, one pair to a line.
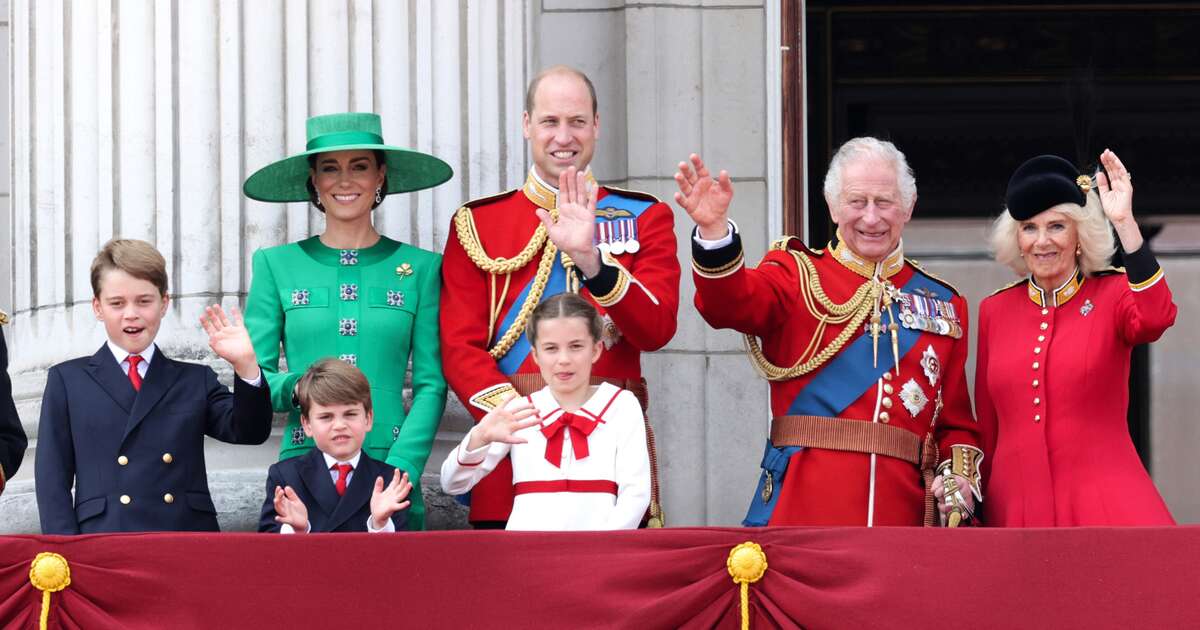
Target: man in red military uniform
[507,253]
[865,352]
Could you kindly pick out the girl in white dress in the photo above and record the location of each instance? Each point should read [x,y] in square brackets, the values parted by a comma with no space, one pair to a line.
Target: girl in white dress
[578,450]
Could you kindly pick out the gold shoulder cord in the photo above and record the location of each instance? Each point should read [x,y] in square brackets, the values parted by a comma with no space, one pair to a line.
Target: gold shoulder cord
[855,310]
[468,237]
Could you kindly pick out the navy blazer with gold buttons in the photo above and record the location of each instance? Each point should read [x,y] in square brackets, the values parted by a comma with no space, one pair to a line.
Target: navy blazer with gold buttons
[136,458]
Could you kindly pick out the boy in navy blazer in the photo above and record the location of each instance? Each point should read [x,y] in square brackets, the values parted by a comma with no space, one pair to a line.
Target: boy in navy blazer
[126,425]
[336,486]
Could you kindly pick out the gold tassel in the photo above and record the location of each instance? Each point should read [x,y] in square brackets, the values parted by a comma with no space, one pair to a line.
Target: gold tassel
[49,573]
[746,565]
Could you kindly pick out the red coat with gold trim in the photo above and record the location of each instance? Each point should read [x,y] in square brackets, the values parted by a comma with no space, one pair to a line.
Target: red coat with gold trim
[830,487]
[1052,392]
[637,292]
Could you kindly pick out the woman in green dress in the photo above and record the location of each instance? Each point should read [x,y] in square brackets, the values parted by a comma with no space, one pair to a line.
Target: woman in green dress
[351,292]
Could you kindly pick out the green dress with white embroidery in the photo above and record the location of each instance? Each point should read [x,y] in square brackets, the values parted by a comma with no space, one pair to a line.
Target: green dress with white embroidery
[375,308]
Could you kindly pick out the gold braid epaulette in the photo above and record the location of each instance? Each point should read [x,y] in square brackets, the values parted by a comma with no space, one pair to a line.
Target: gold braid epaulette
[855,311]
[464,223]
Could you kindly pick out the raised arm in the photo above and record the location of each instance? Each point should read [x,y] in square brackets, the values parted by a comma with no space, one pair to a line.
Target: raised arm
[486,444]
[1148,309]
[264,321]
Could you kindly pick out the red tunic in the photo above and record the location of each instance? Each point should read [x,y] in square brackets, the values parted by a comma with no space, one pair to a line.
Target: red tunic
[831,487]
[639,294]
[1051,392]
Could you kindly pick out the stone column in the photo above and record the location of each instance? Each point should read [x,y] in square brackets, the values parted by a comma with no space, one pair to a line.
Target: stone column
[141,119]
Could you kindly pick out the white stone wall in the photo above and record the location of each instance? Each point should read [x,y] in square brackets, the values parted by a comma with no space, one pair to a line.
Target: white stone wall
[139,118]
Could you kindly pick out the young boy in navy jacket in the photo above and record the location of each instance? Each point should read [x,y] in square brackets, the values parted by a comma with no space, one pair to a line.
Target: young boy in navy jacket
[336,486]
[126,425]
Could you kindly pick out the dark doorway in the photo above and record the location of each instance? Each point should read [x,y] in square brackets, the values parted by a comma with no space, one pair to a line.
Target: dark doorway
[969,91]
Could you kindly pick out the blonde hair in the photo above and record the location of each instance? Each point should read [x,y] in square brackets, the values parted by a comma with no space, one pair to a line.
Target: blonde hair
[1096,242]
[333,382]
[136,258]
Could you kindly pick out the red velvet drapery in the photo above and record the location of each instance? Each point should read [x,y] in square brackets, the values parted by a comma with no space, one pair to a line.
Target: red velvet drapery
[671,578]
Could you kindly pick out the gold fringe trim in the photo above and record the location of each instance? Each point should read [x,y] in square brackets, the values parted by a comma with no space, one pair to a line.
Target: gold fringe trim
[856,310]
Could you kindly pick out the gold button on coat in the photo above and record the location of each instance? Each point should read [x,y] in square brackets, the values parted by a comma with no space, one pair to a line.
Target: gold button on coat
[887,403]
[167,459]
[168,498]
[883,416]
[887,389]
[125,499]
[122,460]
[1037,418]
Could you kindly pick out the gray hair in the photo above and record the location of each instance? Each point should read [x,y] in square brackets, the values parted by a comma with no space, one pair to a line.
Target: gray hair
[1096,242]
[866,147]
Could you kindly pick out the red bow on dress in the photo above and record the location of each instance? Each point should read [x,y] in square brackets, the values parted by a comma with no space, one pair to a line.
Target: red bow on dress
[580,428]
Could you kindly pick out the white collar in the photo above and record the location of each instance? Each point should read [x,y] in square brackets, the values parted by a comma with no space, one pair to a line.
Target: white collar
[593,407]
[122,355]
[587,173]
[331,461]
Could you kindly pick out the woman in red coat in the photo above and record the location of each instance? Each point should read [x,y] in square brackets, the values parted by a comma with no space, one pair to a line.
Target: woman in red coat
[1051,381]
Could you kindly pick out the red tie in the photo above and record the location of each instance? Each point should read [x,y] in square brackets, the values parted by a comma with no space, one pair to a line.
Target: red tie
[579,426]
[343,474]
[135,377]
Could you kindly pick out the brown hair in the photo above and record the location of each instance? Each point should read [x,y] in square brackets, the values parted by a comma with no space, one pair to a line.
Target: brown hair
[565,305]
[560,69]
[333,382]
[136,258]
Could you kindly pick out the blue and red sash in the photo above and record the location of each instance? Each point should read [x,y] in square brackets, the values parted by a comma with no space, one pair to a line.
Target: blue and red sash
[835,387]
[555,284]
[613,207]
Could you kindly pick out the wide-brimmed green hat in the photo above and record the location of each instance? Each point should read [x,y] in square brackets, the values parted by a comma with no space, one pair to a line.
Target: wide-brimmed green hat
[286,179]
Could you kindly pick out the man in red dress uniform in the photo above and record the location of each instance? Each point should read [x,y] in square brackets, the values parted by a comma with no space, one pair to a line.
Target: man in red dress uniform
[865,352]
[507,253]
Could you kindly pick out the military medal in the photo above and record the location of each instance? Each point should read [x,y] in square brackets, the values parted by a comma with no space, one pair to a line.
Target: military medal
[602,237]
[611,334]
[926,313]
[932,366]
[913,397]
[632,245]
[1086,308]
[618,238]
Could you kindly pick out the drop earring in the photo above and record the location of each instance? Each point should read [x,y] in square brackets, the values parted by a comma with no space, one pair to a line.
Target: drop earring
[379,195]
